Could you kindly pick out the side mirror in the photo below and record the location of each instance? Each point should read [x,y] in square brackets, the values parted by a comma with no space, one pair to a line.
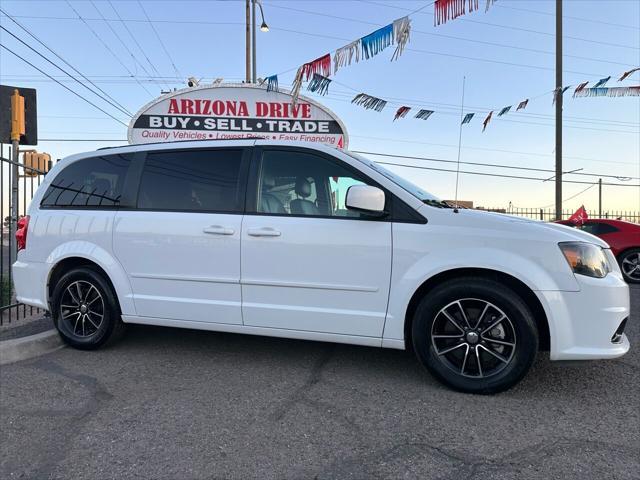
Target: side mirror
[365,198]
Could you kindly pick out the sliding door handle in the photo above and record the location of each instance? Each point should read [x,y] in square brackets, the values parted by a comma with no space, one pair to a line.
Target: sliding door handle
[218,230]
[263,232]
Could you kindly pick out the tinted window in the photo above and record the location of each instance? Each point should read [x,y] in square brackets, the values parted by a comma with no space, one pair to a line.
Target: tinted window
[197,180]
[599,228]
[92,182]
[299,183]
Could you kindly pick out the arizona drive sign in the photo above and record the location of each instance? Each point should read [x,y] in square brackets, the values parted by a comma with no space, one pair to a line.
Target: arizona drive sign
[235,111]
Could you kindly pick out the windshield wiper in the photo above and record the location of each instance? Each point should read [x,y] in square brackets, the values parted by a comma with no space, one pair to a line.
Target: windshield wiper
[436,203]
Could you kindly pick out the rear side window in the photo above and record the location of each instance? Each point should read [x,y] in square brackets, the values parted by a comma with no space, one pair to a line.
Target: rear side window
[92,182]
[195,180]
[599,228]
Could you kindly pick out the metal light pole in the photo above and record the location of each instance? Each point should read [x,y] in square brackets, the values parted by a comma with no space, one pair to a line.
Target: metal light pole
[247,42]
[558,95]
[263,27]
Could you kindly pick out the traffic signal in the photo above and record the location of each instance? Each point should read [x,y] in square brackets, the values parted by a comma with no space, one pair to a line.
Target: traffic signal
[17,116]
[35,163]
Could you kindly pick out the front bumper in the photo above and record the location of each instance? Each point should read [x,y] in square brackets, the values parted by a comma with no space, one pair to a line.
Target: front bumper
[583,325]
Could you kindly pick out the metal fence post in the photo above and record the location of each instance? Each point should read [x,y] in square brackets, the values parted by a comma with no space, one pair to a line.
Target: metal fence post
[15,152]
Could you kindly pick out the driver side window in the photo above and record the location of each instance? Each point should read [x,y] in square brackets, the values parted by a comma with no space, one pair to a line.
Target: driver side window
[299,183]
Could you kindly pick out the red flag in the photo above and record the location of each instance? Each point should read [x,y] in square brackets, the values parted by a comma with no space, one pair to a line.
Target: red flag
[579,216]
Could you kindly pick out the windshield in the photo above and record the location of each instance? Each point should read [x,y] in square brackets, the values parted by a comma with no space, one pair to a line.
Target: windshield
[414,190]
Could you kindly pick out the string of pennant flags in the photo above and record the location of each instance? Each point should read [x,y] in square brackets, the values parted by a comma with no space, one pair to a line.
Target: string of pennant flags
[318,71]
[581,90]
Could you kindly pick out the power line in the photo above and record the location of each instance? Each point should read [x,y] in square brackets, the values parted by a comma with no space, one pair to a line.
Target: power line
[422,167]
[64,86]
[122,107]
[131,20]
[477,109]
[339,95]
[572,196]
[82,140]
[581,19]
[135,40]
[63,70]
[497,165]
[429,52]
[105,45]
[499,175]
[509,27]
[422,32]
[122,42]
[205,22]
[345,39]
[175,69]
[577,127]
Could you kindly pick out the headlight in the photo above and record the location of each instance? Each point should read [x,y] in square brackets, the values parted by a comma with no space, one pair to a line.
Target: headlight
[586,259]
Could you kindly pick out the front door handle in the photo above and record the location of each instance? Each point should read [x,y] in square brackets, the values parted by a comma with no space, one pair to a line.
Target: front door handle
[218,230]
[263,232]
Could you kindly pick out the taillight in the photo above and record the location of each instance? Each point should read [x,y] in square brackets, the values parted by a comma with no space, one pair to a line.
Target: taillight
[21,232]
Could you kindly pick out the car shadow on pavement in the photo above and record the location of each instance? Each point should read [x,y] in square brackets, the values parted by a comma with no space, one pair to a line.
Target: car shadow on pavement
[375,364]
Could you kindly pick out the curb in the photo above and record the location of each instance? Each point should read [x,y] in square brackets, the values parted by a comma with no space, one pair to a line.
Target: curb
[23,348]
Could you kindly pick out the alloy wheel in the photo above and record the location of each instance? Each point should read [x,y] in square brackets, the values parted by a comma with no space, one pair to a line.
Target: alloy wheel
[82,308]
[473,337]
[631,266]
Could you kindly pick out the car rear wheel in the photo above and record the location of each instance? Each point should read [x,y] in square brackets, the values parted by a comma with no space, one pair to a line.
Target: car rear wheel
[475,335]
[630,265]
[85,310]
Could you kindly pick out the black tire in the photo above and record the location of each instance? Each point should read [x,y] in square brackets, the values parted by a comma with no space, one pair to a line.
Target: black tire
[89,318]
[440,314]
[632,255]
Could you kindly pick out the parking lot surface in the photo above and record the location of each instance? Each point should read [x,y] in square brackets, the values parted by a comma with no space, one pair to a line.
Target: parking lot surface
[179,404]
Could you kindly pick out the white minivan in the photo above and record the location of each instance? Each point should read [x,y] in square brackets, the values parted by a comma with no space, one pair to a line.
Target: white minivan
[310,242]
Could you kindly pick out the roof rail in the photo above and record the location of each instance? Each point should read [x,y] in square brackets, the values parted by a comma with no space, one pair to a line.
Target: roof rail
[183,141]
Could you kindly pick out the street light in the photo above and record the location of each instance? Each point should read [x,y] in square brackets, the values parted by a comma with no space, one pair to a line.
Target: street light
[264,27]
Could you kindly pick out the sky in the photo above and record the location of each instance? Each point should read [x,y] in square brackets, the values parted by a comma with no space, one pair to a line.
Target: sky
[505,55]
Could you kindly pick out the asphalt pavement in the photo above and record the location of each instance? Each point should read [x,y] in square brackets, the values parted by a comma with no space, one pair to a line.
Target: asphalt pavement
[179,404]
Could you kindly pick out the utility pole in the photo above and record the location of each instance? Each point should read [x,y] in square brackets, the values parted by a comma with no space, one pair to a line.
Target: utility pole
[558,95]
[248,42]
[599,198]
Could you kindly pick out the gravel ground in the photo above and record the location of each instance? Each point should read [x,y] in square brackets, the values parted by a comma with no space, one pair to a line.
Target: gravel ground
[176,404]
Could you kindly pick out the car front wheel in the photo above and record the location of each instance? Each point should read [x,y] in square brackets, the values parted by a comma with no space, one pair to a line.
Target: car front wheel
[85,310]
[630,265]
[475,335]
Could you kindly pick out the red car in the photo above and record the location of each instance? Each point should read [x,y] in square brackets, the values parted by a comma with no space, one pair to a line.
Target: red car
[624,239]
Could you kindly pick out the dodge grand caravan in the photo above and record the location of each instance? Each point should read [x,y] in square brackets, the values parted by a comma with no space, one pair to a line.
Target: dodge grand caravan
[310,242]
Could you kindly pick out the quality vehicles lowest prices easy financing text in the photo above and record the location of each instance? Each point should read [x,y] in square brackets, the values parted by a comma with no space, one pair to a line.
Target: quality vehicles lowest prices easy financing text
[311,242]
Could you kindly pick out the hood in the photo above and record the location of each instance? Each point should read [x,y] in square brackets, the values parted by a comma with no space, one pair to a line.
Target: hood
[480,219]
